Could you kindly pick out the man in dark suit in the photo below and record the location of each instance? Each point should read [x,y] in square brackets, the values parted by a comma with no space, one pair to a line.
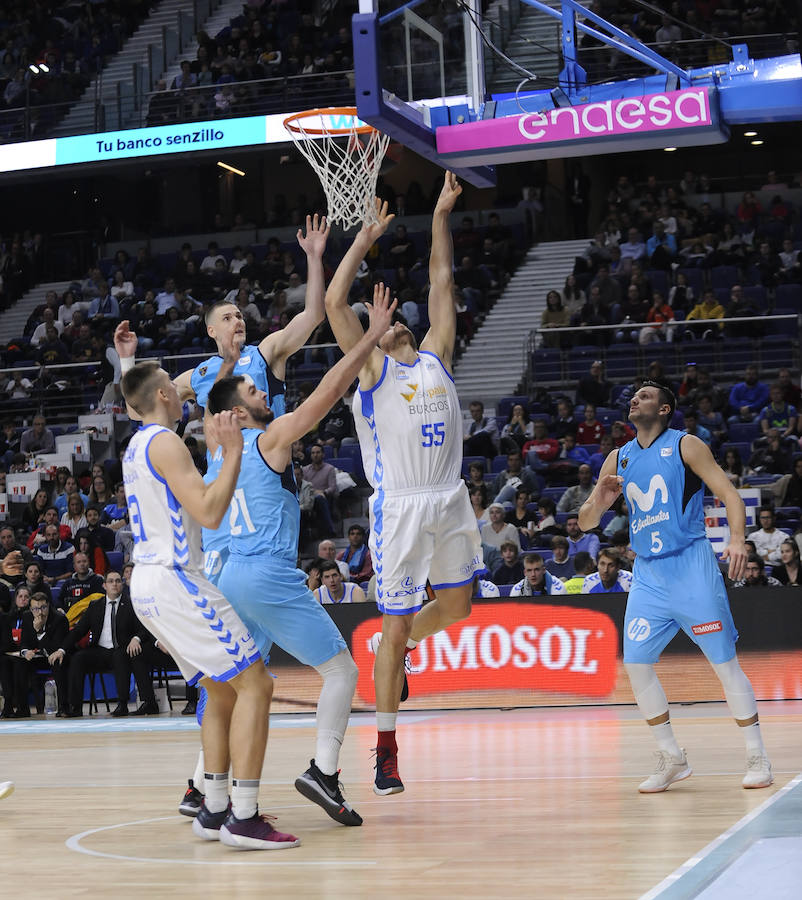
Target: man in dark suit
[44,630]
[116,644]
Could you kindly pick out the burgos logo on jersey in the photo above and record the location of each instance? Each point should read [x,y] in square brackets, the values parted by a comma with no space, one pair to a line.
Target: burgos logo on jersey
[510,646]
[434,399]
[645,500]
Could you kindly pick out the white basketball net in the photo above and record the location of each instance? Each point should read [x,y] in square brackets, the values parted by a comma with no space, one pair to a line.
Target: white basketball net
[347,164]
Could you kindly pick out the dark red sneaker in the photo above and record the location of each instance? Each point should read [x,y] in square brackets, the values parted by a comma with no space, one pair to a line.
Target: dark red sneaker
[255,833]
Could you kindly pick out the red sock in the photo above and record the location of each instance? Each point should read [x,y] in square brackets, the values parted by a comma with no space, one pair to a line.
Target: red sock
[386,741]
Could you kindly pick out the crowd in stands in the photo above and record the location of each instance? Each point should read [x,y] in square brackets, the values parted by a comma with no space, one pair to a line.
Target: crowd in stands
[265,41]
[665,265]
[49,51]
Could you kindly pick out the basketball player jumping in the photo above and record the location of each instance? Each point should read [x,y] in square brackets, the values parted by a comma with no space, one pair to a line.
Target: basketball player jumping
[409,423]
[677,582]
[261,577]
[190,618]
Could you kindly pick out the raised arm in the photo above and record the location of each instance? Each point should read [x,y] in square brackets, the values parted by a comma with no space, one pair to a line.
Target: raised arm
[442,313]
[278,438]
[276,348]
[698,456]
[206,503]
[607,488]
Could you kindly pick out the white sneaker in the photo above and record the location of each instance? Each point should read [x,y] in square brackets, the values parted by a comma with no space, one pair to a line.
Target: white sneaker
[667,771]
[6,789]
[758,771]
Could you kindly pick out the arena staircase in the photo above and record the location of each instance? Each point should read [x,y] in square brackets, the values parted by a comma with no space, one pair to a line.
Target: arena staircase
[529,37]
[157,40]
[12,321]
[494,362]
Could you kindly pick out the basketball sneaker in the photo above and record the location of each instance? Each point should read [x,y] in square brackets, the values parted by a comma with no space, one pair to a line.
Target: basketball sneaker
[387,779]
[374,646]
[255,833]
[6,789]
[758,771]
[667,771]
[193,798]
[207,824]
[326,791]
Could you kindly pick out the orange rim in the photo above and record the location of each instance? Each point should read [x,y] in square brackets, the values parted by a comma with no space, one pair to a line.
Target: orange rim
[290,121]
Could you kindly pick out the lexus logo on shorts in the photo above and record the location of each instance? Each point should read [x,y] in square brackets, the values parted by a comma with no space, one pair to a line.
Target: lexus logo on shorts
[639,629]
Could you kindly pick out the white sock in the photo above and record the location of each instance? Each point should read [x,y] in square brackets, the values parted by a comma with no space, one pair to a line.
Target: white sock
[244,797]
[333,708]
[215,787]
[664,735]
[197,778]
[754,740]
[385,721]
[411,645]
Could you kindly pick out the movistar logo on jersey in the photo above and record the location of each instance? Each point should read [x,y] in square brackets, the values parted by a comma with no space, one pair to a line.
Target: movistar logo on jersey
[645,500]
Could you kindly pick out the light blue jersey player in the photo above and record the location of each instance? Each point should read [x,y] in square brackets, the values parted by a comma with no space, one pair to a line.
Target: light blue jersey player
[265,363]
[261,577]
[676,580]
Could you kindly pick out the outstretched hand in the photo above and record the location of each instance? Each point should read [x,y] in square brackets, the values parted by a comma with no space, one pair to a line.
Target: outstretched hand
[380,312]
[317,233]
[449,193]
[373,232]
[608,488]
[125,340]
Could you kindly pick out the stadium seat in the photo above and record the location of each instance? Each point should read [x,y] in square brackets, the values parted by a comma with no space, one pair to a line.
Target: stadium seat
[741,432]
[344,464]
[115,558]
[547,365]
[723,277]
[505,405]
[789,295]
[499,464]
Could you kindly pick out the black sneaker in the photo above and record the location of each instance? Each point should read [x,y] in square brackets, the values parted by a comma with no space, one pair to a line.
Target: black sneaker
[326,791]
[387,780]
[191,804]
[207,824]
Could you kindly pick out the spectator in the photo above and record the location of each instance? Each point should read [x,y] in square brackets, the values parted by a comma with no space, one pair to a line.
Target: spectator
[517,431]
[336,426]
[659,316]
[477,494]
[564,422]
[327,551]
[8,544]
[34,578]
[789,571]
[733,467]
[51,517]
[573,298]
[748,397]
[38,439]
[661,248]
[597,459]
[772,457]
[571,453]
[561,565]
[768,538]
[44,628]
[82,584]
[573,497]
[357,555]
[519,515]
[710,419]
[621,433]
[590,430]
[49,320]
[578,540]
[680,294]
[116,643]
[34,512]
[323,478]
[497,531]
[213,253]
[15,699]
[515,476]
[583,566]
[546,449]
[610,577]
[633,248]
[756,575]
[98,534]
[693,427]
[476,474]
[555,315]
[709,308]
[333,589]
[779,414]
[481,437]
[536,581]
[70,487]
[788,489]
[511,569]
[594,388]
[56,556]
[546,525]
[791,392]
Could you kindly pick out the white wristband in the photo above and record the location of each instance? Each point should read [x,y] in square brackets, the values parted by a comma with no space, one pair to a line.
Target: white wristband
[126,364]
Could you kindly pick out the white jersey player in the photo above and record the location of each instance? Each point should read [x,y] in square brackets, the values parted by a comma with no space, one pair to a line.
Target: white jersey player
[410,430]
[192,621]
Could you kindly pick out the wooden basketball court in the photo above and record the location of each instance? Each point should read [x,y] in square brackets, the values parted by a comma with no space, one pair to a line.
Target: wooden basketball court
[498,803]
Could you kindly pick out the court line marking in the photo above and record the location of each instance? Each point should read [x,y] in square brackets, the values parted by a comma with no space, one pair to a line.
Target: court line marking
[694,861]
[74,843]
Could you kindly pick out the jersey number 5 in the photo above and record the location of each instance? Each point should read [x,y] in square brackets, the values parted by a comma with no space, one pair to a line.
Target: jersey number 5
[433,434]
[657,544]
[239,508]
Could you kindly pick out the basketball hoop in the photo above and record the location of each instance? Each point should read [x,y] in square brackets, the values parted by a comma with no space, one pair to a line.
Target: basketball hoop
[346,155]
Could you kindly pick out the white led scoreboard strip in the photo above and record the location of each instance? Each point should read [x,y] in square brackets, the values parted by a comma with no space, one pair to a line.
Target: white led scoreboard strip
[163,139]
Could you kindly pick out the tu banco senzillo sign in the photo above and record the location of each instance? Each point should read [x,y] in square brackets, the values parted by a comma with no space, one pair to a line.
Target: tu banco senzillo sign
[687,117]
